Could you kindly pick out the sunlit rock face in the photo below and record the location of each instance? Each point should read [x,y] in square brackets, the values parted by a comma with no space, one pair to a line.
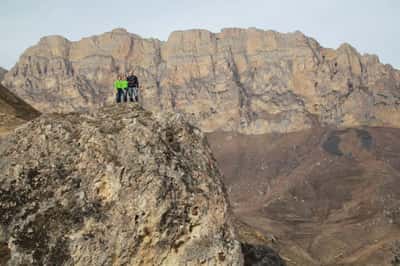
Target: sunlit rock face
[118,186]
[243,80]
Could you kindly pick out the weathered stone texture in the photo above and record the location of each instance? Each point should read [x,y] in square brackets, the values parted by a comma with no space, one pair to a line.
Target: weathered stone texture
[118,186]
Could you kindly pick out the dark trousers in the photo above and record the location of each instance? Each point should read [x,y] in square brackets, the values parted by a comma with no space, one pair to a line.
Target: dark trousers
[132,93]
[119,95]
[126,94]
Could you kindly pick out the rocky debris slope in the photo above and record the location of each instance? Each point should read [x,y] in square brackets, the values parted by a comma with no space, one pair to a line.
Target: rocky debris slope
[13,111]
[242,80]
[117,186]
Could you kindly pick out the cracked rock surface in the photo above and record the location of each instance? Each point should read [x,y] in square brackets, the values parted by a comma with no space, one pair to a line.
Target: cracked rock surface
[116,186]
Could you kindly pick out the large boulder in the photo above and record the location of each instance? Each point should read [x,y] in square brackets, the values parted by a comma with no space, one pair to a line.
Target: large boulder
[117,186]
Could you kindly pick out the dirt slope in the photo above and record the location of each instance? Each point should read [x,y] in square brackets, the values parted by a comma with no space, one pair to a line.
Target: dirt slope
[330,197]
[13,111]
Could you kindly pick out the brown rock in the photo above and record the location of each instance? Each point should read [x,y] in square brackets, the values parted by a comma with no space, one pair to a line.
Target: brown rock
[330,197]
[243,80]
[13,111]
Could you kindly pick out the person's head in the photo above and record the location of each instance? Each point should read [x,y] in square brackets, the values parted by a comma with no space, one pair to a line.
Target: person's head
[131,73]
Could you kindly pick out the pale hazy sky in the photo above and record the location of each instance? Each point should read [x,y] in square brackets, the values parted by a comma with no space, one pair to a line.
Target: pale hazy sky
[372,26]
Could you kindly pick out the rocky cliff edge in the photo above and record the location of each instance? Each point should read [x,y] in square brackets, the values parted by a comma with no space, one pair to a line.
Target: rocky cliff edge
[116,186]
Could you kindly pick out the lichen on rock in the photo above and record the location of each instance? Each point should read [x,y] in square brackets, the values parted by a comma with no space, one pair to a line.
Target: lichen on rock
[116,186]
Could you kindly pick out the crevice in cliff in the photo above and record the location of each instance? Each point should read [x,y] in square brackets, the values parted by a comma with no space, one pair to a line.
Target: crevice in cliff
[160,68]
[317,56]
[244,97]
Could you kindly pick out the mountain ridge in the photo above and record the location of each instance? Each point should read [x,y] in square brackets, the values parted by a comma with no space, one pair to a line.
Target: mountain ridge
[124,30]
[244,80]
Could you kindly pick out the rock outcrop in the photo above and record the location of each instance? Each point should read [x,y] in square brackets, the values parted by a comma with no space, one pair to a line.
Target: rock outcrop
[13,111]
[2,73]
[242,80]
[117,186]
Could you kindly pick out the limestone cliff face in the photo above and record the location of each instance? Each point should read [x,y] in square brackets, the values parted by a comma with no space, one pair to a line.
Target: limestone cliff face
[118,186]
[244,80]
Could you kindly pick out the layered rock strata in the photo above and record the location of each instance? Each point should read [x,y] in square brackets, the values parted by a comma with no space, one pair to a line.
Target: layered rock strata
[243,80]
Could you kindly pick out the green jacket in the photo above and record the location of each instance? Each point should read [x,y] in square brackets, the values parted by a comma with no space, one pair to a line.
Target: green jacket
[124,84]
[120,84]
[117,84]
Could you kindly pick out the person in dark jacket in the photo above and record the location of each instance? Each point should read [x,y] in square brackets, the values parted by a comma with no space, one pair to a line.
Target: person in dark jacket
[133,86]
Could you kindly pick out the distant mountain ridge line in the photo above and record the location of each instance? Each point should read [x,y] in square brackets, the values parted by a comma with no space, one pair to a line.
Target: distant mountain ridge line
[206,30]
[134,35]
[243,80]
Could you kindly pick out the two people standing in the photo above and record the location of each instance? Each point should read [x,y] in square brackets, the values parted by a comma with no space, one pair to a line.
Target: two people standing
[127,86]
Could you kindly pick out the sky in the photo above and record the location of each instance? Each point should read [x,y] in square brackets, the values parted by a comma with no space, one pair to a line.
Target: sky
[371,26]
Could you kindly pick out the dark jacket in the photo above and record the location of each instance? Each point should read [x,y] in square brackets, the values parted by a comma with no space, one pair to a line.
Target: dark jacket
[133,81]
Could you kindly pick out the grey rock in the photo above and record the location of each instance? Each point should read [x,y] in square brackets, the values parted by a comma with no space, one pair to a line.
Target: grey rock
[116,186]
[2,73]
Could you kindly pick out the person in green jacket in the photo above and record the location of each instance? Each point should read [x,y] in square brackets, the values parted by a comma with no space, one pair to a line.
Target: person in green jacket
[119,89]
